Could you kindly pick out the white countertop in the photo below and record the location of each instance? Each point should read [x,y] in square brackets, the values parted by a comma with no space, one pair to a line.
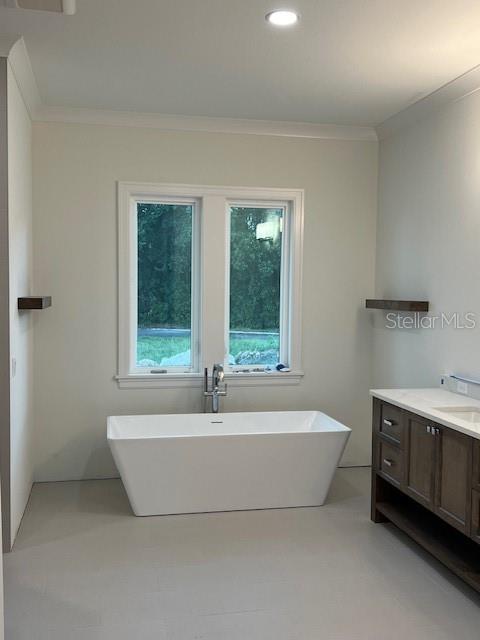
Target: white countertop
[425,401]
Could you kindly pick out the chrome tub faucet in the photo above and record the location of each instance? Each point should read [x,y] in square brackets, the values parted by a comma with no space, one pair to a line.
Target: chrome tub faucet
[218,386]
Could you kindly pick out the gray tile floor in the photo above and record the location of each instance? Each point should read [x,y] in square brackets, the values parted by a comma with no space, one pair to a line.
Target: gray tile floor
[84,567]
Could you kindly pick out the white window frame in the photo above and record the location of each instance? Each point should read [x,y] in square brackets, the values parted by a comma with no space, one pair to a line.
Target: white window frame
[133,283]
[210,281]
[285,283]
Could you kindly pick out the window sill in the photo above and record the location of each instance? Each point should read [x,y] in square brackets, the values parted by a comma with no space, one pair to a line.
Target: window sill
[260,379]
[195,380]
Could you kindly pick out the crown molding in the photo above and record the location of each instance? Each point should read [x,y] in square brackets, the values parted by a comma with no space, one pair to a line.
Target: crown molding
[204,124]
[68,7]
[6,44]
[20,64]
[457,89]
[15,49]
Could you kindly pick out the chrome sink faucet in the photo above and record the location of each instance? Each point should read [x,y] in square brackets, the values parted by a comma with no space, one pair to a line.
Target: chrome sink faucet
[218,386]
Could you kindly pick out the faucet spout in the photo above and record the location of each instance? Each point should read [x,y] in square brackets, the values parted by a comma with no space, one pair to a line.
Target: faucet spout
[218,387]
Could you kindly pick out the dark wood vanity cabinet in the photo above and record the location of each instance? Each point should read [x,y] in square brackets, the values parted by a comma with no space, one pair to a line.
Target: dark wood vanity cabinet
[453,478]
[390,423]
[476,465]
[475,532]
[426,480]
[420,467]
[439,470]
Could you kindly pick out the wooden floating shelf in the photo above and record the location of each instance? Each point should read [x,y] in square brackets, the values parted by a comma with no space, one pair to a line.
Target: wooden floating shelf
[35,302]
[398,305]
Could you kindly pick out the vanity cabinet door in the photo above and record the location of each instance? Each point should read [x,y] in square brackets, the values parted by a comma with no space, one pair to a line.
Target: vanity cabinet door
[476,465]
[453,477]
[475,532]
[420,471]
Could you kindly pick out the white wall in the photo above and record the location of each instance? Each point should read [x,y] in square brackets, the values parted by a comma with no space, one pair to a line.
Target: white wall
[75,172]
[21,323]
[429,243]
[4,316]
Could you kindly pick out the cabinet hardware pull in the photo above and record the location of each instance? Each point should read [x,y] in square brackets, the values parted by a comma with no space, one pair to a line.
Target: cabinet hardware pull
[429,429]
[388,423]
[388,462]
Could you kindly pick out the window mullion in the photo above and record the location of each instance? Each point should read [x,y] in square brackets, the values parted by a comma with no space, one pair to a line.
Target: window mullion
[213,257]
[285,289]
[133,285]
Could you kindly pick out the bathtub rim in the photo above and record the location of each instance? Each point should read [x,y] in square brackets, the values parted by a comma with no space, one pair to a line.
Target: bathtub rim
[340,428]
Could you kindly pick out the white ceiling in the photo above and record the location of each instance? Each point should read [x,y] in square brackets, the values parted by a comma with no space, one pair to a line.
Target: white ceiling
[347,62]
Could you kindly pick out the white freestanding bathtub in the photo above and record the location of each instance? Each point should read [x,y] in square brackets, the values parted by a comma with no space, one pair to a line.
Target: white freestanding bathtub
[226,461]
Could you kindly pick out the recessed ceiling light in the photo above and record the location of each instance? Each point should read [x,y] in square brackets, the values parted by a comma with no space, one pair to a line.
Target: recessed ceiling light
[283,18]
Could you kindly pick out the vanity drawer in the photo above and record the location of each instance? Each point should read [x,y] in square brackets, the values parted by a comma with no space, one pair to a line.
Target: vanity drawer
[391,423]
[476,465]
[389,462]
[475,533]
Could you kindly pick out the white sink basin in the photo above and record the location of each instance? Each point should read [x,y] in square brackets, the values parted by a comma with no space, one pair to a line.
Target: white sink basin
[469,414]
